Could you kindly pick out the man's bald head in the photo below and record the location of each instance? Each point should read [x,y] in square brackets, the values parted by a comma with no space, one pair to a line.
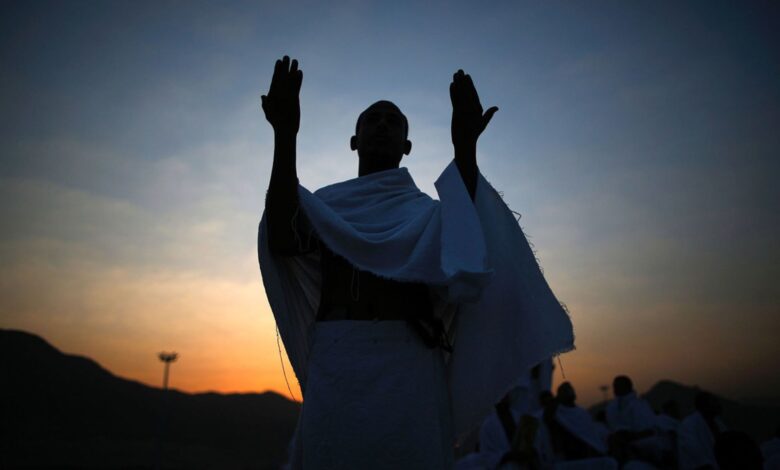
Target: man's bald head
[380,138]
[622,385]
[386,105]
[566,394]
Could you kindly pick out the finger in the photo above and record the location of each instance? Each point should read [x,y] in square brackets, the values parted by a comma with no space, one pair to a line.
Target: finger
[457,77]
[298,79]
[276,77]
[470,89]
[278,68]
[459,97]
[284,76]
[457,87]
[453,94]
[296,76]
[488,116]
[468,82]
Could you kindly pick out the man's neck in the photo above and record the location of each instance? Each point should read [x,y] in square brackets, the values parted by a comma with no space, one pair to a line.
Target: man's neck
[367,169]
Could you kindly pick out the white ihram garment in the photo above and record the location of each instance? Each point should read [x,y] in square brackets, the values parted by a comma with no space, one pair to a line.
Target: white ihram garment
[630,413]
[367,381]
[580,424]
[474,256]
[695,442]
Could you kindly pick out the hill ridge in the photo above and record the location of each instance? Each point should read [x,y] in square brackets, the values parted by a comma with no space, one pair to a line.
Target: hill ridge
[59,404]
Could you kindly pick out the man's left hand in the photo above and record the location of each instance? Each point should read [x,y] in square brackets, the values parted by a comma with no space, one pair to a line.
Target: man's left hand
[468,120]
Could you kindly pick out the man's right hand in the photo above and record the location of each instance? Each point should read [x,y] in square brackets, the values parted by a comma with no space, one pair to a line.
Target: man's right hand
[281,106]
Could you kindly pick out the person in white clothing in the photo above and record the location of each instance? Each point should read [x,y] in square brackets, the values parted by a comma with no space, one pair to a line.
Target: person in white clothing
[627,411]
[500,426]
[573,433]
[631,422]
[697,433]
[369,279]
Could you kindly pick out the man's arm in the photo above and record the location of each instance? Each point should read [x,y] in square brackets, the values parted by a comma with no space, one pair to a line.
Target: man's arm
[468,122]
[283,112]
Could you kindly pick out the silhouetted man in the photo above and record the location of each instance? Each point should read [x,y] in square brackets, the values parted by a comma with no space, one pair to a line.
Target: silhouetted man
[572,430]
[631,421]
[627,412]
[365,276]
[498,429]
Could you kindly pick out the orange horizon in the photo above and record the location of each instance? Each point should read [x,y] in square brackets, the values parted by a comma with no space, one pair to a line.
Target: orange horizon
[255,377]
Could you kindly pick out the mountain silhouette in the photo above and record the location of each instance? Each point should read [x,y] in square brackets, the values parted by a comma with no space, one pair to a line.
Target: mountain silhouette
[67,411]
[760,422]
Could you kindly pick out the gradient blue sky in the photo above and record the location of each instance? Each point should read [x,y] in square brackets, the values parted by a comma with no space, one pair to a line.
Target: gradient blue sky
[639,140]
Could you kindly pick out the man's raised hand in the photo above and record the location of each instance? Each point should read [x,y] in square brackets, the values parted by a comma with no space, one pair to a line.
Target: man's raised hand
[281,106]
[468,121]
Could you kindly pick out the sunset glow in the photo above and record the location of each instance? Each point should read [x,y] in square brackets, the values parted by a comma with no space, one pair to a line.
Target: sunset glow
[640,146]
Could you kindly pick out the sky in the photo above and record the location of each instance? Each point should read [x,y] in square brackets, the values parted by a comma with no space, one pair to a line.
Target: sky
[639,141]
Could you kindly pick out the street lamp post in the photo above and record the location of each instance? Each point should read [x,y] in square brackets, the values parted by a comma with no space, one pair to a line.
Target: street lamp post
[167,358]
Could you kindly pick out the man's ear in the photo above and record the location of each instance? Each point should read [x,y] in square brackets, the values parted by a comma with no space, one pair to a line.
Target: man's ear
[407,147]
[353,142]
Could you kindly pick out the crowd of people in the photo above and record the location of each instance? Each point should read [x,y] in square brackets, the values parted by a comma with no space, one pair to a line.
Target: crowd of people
[532,428]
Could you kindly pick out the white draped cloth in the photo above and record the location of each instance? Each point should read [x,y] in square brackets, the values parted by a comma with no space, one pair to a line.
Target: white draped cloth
[603,432]
[473,255]
[580,424]
[524,399]
[630,413]
[368,381]
[695,442]
[493,441]
[666,423]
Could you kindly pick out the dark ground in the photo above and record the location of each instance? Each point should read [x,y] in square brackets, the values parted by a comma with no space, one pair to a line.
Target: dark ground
[67,411]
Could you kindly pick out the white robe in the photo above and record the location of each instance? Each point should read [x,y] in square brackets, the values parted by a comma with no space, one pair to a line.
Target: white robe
[368,381]
[524,399]
[630,413]
[580,424]
[493,441]
[473,255]
[695,442]
[666,423]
